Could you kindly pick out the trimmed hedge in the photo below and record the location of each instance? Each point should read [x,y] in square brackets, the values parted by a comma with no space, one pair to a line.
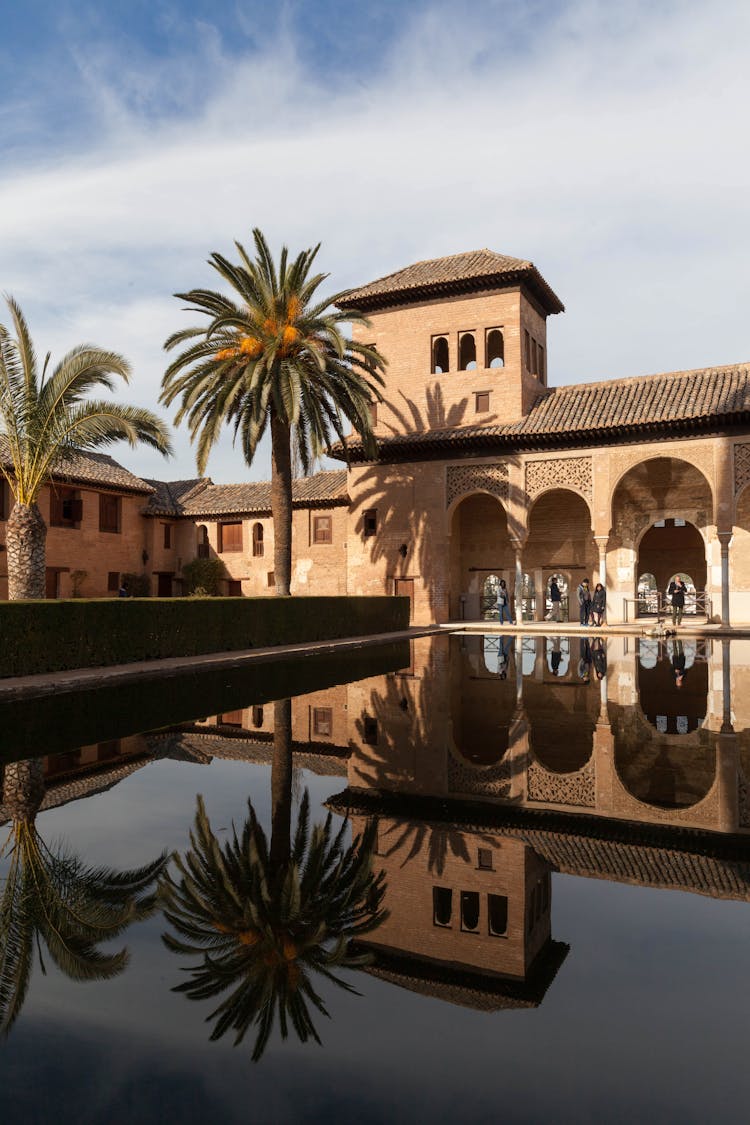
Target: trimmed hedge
[53,636]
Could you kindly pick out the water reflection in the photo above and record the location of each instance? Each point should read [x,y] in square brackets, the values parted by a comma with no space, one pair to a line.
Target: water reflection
[266,918]
[51,899]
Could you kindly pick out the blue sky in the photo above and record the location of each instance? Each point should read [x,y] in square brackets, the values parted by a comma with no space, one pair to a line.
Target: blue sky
[605,141]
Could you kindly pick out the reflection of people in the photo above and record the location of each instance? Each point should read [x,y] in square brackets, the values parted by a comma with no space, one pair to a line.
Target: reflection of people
[678,663]
[676,591]
[503,656]
[599,658]
[584,662]
[598,605]
[555,657]
[555,598]
[584,601]
[503,600]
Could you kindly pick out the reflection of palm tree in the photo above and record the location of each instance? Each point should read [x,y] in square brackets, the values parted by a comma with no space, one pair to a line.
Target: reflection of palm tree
[264,917]
[52,898]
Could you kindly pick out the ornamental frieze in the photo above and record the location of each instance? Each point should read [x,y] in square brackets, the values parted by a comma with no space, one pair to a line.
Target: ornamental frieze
[559,472]
[464,479]
[492,781]
[576,789]
[741,466]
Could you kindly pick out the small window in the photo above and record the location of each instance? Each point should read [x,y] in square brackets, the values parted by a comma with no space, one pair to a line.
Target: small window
[231,719]
[484,859]
[495,348]
[442,906]
[482,402]
[534,365]
[497,915]
[322,721]
[370,522]
[370,730]
[230,536]
[257,540]
[542,372]
[66,508]
[109,512]
[234,588]
[271,578]
[203,546]
[257,717]
[440,361]
[113,581]
[373,414]
[470,911]
[322,529]
[167,534]
[527,348]
[467,352]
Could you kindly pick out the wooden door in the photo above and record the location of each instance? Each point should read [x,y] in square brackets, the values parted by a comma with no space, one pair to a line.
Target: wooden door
[164,585]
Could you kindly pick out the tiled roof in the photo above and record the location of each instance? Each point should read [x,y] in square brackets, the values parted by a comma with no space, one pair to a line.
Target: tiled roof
[90,468]
[170,495]
[458,273]
[324,488]
[588,413]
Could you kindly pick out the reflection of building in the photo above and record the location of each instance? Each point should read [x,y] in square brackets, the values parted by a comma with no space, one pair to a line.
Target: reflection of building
[483,472]
[469,915]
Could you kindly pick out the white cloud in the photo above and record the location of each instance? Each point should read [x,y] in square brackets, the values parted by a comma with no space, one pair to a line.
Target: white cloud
[606,144]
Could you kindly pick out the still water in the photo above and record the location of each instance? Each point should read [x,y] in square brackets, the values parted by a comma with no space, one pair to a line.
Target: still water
[540,894]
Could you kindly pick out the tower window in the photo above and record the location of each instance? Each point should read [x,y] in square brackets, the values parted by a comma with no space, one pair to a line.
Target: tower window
[470,911]
[442,906]
[497,915]
[467,352]
[495,348]
[230,537]
[322,529]
[257,540]
[440,360]
[542,372]
[527,348]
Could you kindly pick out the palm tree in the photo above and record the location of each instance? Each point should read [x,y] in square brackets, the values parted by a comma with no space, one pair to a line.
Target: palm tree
[275,357]
[50,897]
[45,420]
[265,918]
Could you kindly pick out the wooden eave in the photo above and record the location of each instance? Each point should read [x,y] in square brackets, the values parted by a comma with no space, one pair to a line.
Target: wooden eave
[530,280]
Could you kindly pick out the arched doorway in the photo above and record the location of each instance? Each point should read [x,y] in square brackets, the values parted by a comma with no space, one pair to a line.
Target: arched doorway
[662,510]
[481,554]
[560,544]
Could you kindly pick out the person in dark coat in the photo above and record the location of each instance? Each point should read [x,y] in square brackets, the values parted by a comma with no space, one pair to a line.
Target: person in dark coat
[584,601]
[599,658]
[678,663]
[598,605]
[555,598]
[676,591]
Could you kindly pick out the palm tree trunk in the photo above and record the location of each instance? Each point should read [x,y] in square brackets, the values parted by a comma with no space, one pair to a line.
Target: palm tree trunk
[281,503]
[25,542]
[22,789]
[281,784]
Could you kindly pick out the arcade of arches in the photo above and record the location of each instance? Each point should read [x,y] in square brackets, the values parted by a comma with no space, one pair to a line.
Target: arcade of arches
[659,516]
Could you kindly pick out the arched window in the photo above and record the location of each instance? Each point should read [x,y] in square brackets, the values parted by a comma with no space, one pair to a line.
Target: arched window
[258,540]
[257,714]
[440,360]
[467,352]
[495,347]
[202,542]
[648,594]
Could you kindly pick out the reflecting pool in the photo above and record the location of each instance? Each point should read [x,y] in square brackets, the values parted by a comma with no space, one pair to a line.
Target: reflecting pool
[463,878]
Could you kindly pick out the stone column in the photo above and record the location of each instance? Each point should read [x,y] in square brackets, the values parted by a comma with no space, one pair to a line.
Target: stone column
[519,586]
[519,671]
[724,538]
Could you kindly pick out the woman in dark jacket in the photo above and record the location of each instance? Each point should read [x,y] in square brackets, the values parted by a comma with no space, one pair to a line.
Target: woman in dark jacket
[599,604]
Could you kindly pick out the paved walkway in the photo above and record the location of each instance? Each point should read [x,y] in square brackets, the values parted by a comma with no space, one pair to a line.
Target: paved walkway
[643,627]
[85,679]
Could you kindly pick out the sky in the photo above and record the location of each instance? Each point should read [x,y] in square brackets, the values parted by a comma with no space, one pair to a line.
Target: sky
[606,141]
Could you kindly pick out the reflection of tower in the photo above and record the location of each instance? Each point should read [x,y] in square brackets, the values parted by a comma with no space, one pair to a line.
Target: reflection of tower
[469,914]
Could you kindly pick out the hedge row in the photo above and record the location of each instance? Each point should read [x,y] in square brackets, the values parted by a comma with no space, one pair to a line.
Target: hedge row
[53,636]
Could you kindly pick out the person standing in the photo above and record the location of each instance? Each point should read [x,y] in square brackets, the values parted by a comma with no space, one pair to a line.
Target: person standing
[555,598]
[503,603]
[598,605]
[676,591]
[584,601]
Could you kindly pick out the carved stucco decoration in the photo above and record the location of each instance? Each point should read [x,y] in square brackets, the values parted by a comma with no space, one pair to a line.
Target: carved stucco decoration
[560,472]
[744,804]
[577,789]
[488,781]
[741,466]
[701,456]
[463,479]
